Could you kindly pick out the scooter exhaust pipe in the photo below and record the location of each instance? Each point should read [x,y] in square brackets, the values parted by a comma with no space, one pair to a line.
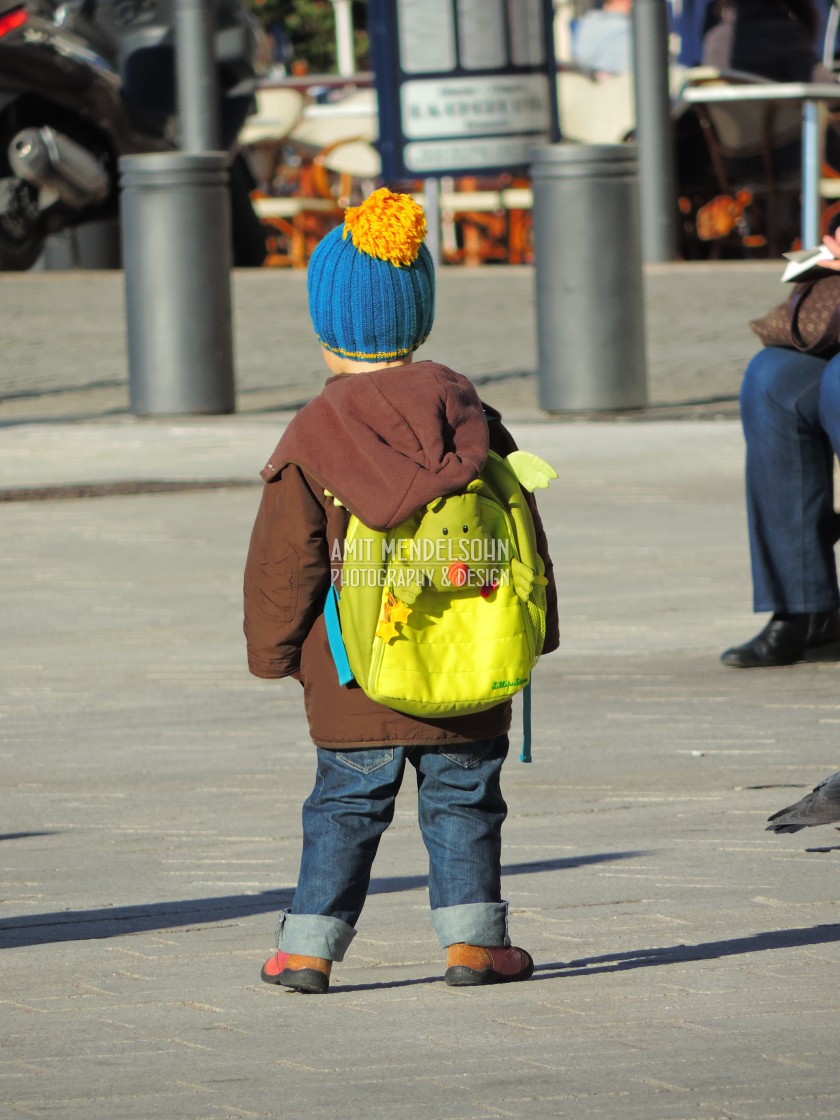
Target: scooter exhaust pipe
[48,158]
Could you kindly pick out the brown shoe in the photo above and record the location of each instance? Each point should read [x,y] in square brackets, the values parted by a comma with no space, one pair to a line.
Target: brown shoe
[304,974]
[468,965]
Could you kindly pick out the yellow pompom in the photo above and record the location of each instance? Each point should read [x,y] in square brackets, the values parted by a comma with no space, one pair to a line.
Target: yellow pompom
[390,227]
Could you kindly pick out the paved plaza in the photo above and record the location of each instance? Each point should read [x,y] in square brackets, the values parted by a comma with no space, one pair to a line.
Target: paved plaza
[686,959]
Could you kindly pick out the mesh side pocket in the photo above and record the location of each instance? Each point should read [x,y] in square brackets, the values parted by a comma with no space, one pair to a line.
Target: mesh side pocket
[536,616]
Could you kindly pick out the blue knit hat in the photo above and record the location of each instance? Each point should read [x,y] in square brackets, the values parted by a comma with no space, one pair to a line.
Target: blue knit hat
[372,293]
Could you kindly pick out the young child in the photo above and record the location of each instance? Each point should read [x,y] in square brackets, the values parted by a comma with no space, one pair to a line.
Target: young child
[384,437]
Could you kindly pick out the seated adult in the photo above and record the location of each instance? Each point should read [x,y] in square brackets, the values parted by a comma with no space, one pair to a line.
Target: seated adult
[603,39]
[775,39]
[790,411]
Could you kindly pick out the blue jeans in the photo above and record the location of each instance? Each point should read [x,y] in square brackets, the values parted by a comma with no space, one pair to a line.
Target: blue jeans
[790,411]
[460,810]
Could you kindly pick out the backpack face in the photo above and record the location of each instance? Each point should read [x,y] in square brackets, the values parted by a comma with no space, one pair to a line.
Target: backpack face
[453,543]
[445,614]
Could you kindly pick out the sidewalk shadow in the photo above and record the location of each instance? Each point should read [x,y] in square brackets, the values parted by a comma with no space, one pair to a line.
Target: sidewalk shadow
[645,958]
[388,884]
[381,985]
[114,921]
[682,954]
[23,835]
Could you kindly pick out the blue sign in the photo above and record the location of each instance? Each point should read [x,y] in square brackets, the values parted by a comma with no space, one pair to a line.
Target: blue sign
[465,87]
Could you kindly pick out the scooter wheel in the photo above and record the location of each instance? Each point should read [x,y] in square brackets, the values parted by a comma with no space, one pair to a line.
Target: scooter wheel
[21,240]
[18,256]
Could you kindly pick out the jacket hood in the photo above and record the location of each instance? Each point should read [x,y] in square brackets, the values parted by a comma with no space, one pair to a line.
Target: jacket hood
[386,442]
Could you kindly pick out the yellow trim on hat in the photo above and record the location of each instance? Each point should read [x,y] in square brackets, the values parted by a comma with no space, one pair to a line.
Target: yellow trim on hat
[383,355]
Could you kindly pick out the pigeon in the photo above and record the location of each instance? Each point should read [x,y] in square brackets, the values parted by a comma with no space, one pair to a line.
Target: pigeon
[821,806]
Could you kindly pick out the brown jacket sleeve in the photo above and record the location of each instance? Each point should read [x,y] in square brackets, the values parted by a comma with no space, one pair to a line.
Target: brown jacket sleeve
[502,442]
[552,615]
[287,574]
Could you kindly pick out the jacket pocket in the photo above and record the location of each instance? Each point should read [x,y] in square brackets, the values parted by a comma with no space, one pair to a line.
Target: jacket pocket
[277,592]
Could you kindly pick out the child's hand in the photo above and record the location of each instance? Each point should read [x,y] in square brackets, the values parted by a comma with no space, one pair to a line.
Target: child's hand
[833,245]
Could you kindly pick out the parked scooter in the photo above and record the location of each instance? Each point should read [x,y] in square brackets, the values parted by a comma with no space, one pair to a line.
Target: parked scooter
[87,81]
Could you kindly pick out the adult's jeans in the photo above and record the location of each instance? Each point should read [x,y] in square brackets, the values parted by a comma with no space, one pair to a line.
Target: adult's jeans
[460,810]
[790,411]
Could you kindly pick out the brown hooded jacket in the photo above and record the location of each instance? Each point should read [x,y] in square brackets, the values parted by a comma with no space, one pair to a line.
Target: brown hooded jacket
[384,443]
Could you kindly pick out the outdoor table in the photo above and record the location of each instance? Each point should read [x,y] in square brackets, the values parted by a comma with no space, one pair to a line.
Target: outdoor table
[810,94]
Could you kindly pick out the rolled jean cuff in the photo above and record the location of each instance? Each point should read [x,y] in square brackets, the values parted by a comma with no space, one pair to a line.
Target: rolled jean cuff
[476,923]
[314,935]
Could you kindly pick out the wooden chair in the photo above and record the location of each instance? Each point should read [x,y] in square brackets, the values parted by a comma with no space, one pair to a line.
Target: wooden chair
[346,171]
[294,226]
[264,134]
[754,148]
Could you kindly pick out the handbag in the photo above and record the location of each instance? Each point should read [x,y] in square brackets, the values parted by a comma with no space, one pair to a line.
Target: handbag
[808,321]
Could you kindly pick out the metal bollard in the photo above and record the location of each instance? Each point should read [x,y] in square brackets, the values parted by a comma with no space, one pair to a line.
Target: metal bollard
[177,250]
[589,283]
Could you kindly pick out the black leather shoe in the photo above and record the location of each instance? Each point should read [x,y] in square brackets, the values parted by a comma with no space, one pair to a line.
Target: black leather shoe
[823,629]
[781,642]
[784,640]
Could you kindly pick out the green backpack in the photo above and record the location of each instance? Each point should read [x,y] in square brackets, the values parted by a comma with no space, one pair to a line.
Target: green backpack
[444,614]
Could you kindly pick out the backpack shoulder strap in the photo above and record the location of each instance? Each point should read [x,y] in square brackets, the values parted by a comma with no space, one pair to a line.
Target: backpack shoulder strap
[525,756]
[336,641]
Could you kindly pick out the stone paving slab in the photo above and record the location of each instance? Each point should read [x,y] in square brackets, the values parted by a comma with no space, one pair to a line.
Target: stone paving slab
[686,958]
[50,454]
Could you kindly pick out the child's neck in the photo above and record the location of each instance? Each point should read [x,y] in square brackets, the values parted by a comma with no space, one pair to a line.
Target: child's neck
[337,364]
